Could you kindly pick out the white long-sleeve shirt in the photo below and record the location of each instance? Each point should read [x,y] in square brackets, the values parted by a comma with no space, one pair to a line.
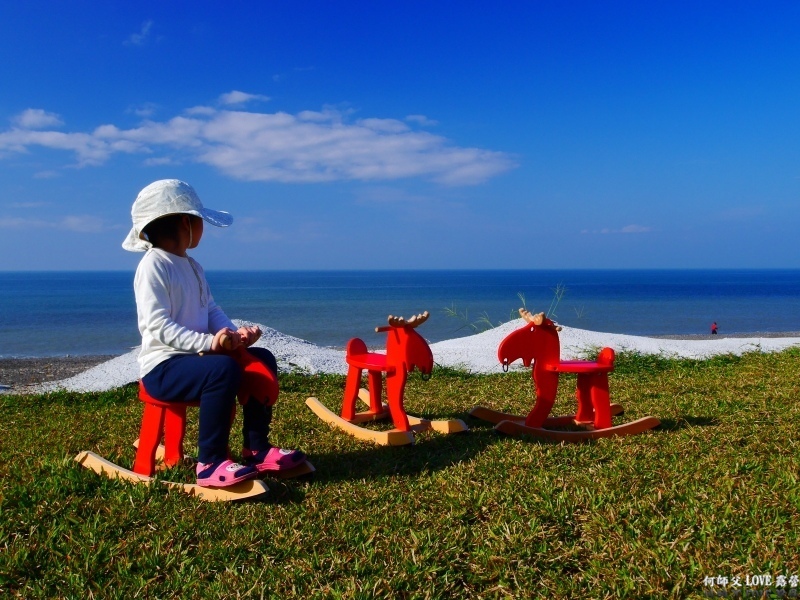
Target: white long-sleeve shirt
[176,312]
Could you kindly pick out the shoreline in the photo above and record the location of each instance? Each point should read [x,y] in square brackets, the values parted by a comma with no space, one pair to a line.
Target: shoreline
[475,353]
[708,336]
[21,372]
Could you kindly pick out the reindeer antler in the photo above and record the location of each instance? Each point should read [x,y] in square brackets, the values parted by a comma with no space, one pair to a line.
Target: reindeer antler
[536,319]
[412,322]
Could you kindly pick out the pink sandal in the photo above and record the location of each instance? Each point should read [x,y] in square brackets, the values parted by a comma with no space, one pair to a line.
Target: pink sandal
[223,474]
[274,459]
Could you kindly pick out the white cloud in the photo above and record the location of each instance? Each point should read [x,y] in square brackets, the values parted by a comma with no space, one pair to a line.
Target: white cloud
[142,37]
[392,196]
[146,110]
[159,161]
[635,229]
[200,111]
[409,207]
[36,118]
[89,149]
[742,213]
[28,204]
[384,125]
[18,223]
[236,97]
[75,223]
[421,120]
[255,231]
[627,229]
[82,224]
[312,146]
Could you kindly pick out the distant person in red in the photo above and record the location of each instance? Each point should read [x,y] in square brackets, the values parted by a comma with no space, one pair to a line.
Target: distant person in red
[714,328]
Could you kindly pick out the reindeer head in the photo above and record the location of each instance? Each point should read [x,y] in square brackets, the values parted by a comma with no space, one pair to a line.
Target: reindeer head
[404,345]
[537,340]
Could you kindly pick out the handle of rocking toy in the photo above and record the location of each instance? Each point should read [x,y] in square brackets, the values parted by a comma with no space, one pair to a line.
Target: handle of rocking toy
[225,341]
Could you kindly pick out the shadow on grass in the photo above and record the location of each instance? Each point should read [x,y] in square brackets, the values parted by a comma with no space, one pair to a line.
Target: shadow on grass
[432,452]
[686,422]
[666,425]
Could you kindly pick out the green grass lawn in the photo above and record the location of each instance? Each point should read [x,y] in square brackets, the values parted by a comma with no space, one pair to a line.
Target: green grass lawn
[713,492]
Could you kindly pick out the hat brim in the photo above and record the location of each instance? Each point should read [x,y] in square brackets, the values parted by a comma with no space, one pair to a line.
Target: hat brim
[134,243]
[218,218]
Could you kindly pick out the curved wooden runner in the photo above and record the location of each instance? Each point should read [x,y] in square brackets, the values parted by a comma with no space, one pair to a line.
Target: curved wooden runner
[495,416]
[246,489]
[441,426]
[393,437]
[299,471]
[632,428]
[515,425]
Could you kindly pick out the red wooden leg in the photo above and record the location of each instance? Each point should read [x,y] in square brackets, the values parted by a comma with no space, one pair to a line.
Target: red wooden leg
[149,437]
[546,384]
[375,379]
[541,409]
[395,387]
[174,432]
[583,395]
[601,401]
[351,388]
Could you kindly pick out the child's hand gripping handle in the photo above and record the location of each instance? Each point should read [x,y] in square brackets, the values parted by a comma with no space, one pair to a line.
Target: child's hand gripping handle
[226,342]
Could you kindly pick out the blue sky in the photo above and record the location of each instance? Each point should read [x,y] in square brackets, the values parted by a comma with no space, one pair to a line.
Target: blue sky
[363,135]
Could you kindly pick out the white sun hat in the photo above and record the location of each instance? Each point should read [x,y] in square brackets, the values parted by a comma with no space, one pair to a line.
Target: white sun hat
[167,197]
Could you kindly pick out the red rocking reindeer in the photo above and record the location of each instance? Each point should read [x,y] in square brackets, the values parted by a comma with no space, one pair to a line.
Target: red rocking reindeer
[405,350]
[167,421]
[538,342]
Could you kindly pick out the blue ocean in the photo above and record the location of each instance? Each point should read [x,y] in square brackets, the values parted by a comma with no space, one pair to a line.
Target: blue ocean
[93,313]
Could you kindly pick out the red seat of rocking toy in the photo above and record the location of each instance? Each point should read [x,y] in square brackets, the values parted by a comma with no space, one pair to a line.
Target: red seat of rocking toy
[372,361]
[165,420]
[357,356]
[603,364]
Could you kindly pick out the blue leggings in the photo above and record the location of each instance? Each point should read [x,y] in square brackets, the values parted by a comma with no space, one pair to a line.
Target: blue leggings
[214,380]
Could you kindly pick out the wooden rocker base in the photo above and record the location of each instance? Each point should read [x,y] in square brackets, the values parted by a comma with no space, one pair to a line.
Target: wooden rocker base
[299,471]
[515,425]
[442,426]
[246,489]
[517,428]
[495,416]
[393,437]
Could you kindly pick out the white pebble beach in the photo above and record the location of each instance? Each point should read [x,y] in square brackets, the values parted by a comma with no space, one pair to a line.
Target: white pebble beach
[475,354]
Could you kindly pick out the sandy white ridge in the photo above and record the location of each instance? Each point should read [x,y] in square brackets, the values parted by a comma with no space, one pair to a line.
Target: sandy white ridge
[476,353]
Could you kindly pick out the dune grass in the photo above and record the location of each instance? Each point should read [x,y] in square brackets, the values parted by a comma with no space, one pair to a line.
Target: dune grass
[712,493]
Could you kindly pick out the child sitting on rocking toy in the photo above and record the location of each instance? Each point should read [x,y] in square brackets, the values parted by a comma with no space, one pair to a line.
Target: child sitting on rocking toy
[191,351]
